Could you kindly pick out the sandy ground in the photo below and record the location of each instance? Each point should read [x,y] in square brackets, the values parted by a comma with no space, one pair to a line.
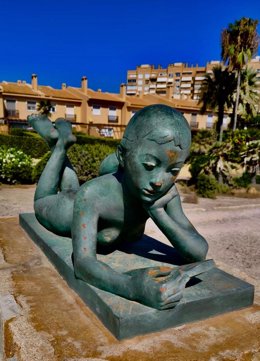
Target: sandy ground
[231,225]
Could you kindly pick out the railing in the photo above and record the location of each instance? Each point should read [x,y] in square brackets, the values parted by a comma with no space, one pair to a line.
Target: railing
[115,131]
[71,117]
[112,118]
[12,113]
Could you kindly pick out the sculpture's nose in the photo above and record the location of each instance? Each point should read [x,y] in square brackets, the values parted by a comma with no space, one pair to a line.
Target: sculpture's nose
[156,185]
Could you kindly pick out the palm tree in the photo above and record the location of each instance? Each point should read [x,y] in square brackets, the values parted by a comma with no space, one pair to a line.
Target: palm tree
[239,44]
[216,93]
[44,107]
[249,97]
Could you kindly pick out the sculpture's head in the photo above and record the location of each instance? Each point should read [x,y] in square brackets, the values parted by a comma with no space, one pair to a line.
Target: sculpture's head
[154,147]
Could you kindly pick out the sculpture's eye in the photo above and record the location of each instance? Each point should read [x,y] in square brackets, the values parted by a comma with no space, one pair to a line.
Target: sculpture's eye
[175,171]
[149,165]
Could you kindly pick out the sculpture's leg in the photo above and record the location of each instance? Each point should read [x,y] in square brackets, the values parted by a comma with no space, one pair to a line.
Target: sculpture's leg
[54,209]
[44,127]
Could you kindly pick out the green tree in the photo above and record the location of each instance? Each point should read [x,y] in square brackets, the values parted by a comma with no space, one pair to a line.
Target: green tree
[239,43]
[249,97]
[216,92]
[44,107]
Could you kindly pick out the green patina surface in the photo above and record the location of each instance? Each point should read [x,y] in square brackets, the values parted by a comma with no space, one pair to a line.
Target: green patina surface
[210,293]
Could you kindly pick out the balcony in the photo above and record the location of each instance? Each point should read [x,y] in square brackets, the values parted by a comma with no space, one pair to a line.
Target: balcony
[161,85]
[200,77]
[162,79]
[112,118]
[185,85]
[12,114]
[71,117]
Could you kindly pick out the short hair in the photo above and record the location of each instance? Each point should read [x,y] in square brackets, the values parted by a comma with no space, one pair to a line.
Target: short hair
[158,123]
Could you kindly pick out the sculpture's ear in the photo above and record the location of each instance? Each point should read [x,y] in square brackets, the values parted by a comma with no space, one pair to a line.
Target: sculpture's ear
[120,153]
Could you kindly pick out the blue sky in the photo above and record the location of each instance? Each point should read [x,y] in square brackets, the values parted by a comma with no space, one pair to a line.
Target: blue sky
[63,40]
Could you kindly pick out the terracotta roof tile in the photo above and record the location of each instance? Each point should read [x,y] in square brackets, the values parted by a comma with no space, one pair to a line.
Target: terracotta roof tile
[57,93]
[43,91]
[103,96]
[137,101]
[18,88]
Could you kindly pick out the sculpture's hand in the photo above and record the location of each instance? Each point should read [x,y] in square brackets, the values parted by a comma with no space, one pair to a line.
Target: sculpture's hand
[163,201]
[158,287]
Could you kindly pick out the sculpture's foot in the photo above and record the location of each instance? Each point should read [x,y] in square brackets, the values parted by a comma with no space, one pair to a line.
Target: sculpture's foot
[44,127]
[65,133]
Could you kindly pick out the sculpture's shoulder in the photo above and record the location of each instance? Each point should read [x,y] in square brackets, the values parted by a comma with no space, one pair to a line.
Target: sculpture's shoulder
[102,187]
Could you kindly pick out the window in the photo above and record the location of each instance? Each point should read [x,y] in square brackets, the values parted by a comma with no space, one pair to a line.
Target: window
[147,76]
[225,121]
[112,116]
[96,109]
[112,110]
[178,74]
[10,104]
[209,121]
[140,76]
[193,117]
[11,108]
[53,108]
[140,82]
[70,113]
[170,75]
[131,81]
[31,105]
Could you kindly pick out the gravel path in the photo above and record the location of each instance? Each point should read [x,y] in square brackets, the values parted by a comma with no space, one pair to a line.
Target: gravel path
[231,225]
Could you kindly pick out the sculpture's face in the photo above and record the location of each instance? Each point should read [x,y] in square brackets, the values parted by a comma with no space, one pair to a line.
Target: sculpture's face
[151,169]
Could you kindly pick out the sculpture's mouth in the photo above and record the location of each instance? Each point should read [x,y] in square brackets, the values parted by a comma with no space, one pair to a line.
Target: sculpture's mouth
[149,192]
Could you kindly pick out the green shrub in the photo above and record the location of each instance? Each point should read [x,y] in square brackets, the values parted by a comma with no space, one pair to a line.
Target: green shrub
[33,146]
[207,186]
[15,166]
[244,181]
[38,168]
[197,165]
[223,188]
[87,139]
[23,132]
[85,159]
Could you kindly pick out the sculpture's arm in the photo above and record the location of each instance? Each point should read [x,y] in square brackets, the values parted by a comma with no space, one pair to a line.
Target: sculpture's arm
[168,215]
[158,288]
[86,265]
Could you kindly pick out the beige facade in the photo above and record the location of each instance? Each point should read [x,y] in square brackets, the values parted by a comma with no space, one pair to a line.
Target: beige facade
[185,81]
[96,113]
[19,100]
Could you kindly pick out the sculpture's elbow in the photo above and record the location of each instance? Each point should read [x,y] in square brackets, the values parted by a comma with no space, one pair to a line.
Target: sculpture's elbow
[199,252]
[202,251]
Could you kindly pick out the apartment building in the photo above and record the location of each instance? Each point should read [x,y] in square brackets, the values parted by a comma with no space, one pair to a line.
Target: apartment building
[20,99]
[185,80]
[96,113]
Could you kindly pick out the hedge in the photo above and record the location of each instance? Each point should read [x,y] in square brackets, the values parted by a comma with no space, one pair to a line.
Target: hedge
[85,159]
[30,145]
[87,139]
